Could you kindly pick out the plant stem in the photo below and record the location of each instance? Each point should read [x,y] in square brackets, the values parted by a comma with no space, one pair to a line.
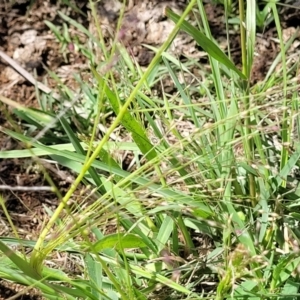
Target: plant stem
[248,143]
[39,253]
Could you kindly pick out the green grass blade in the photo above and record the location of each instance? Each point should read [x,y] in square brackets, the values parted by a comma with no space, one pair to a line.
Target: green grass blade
[78,148]
[21,263]
[125,198]
[165,232]
[210,47]
[23,153]
[119,240]
[290,290]
[250,33]
[172,195]
[186,98]
[94,270]
[283,270]
[131,124]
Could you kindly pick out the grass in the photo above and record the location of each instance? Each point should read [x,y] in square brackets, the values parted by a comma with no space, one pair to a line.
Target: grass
[212,214]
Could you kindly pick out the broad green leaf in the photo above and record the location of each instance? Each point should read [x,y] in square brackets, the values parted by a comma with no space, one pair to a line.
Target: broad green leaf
[243,291]
[119,240]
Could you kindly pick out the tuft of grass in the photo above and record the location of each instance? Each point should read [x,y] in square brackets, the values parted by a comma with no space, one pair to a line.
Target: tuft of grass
[208,212]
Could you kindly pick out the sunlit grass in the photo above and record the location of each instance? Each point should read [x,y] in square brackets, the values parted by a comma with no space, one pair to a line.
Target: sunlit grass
[209,209]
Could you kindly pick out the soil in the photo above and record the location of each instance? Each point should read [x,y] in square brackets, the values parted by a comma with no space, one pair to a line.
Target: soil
[26,39]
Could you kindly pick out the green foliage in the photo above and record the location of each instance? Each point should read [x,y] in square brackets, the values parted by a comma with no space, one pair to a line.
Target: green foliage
[222,184]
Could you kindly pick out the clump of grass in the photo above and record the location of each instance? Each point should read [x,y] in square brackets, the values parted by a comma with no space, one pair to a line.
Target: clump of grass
[222,184]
